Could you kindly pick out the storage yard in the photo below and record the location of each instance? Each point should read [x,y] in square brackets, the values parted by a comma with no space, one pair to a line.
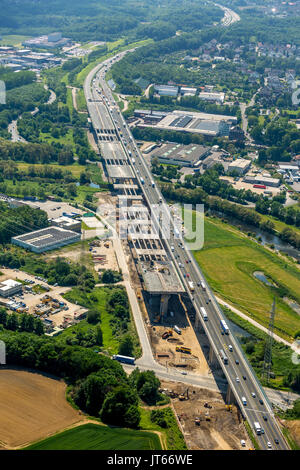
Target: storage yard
[206,421]
[43,301]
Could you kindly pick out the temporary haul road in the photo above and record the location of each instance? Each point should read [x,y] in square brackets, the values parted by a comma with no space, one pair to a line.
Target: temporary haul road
[106,117]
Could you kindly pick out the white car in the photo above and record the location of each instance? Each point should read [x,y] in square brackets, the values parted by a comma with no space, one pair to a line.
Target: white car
[184,373]
[269,445]
[243,443]
[253,394]
[237,380]
[230,347]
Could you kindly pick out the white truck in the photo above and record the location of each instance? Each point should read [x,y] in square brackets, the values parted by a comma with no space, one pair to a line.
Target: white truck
[257,427]
[178,330]
[191,286]
[203,313]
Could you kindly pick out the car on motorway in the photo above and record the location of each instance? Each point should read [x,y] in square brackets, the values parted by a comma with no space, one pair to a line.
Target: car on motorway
[265,418]
[262,431]
[269,445]
[198,284]
[261,402]
[253,394]
[230,347]
[237,361]
[237,380]
[276,441]
[244,377]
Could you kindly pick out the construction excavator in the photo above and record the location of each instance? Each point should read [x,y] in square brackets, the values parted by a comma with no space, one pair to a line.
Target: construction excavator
[184,395]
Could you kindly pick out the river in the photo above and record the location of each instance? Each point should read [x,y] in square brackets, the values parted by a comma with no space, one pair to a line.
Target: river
[266,237]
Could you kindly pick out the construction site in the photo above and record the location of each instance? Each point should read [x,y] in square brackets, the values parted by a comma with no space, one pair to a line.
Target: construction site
[205,420]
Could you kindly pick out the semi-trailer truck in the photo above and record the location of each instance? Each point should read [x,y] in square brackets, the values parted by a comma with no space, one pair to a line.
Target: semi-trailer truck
[224,327]
[203,313]
[257,428]
[223,356]
[124,359]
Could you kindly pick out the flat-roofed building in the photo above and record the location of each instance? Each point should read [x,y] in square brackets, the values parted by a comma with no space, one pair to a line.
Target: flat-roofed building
[213,97]
[241,166]
[46,239]
[166,90]
[9,288]
[67,223]
[183,155]
[265,180]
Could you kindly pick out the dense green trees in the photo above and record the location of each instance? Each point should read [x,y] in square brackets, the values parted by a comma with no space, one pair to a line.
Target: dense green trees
[120,407]
[21,322]
[147,385]
[16,221]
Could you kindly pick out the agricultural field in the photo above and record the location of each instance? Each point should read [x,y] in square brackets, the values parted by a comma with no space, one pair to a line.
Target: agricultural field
[33,406]
[229,259]
[96,437]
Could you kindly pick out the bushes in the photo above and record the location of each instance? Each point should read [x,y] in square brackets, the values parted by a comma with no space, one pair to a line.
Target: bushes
[121,407]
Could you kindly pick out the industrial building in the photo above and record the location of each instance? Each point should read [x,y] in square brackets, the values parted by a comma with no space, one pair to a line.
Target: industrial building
[67,223]
[264,180]
[212,97]
[53,40]
[46,239]
[9,288]
[240,166]
[188,91]
[166,90]
[182,155]
[200,123]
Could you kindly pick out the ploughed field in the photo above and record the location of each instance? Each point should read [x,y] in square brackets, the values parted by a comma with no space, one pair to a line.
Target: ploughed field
[33,406]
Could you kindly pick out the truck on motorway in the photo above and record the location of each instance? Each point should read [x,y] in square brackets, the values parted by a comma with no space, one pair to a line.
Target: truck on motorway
[223,356]
[224,327]
[124,359]
[203,313]
[257,427]
[191,286]
[244,401]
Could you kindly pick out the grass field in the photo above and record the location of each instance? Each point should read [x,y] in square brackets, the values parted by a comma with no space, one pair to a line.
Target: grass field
[228,260]
[110,342]
[96,437]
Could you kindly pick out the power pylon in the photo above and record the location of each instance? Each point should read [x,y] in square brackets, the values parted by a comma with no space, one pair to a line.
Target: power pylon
[266,371]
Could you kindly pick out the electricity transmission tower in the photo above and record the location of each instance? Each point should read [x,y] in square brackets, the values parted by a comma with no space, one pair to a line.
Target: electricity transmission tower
[268,348]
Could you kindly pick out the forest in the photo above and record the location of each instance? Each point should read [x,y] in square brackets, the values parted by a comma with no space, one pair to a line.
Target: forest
[93,20]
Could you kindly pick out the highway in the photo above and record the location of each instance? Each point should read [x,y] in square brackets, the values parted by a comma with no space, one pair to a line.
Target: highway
[238,372]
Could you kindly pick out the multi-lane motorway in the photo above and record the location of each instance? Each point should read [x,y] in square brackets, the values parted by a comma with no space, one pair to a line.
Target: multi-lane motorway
[238,372]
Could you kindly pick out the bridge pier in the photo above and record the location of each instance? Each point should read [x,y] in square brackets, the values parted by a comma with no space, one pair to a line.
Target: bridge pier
[212,358]
[230,398]
[164,301]
[198,325]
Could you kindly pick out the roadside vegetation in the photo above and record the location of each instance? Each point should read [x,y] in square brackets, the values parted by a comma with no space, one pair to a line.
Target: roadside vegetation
[229,259]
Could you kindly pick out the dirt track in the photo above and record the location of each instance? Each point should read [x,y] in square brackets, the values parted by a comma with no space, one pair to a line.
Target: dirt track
[33,406]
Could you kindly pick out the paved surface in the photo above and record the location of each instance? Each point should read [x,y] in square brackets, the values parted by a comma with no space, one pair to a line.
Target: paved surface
[236,364]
